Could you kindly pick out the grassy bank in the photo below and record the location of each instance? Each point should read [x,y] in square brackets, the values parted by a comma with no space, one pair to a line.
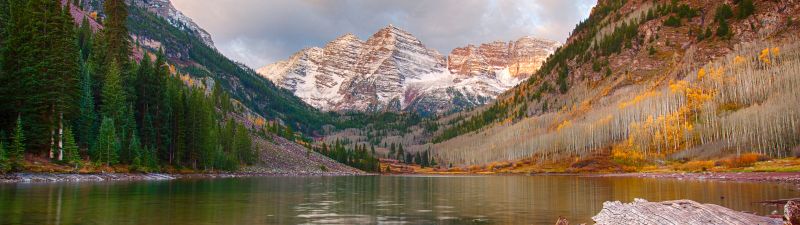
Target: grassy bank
[603,164]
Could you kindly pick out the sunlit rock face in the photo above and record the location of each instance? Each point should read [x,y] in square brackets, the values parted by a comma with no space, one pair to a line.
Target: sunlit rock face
[522,57]
[395,71]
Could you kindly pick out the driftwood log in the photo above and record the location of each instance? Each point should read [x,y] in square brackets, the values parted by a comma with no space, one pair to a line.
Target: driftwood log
[676,212]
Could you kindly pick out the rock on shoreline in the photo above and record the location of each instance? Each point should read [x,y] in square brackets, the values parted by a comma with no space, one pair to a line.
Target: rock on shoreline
[67,177]
[687,212]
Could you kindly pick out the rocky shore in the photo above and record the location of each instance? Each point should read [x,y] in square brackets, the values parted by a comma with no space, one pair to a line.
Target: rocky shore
[97,177]
[687,212]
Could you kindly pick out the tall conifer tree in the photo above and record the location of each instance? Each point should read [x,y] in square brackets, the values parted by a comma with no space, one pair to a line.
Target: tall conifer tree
[112,94]
[106,148]
[87,118]
[71,153]
[115,32]
[17,149]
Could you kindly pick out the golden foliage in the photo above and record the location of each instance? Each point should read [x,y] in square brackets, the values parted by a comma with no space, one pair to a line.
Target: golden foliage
[744,160]
[626,153]
[769,53]
[696,166]
[639,98]
[259,122]
[701,73]
[564,124]
[738,60]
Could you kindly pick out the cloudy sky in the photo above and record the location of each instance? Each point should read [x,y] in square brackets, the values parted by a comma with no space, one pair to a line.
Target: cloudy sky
[259,32]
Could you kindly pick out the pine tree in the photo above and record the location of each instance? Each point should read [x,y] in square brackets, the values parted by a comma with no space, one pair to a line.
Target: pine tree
[126,131]
[87,120]
[12,77]
[4,162]
[178,127]
[115,32]
[3,20]
[401,154]
[392,151]
[138,154]
[71,155]
[39,54]
[149,158]
[17,149]
[723,31]
[745,9]
[243,145]
[112,94]
[3,35]
[106,148]
[85,36]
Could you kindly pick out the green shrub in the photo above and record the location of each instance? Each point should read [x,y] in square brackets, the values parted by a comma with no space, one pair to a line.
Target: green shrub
[745,9]
[723,13]
[672,21]
[723,31]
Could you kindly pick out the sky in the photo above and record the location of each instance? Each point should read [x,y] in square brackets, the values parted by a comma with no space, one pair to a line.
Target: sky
[260,32]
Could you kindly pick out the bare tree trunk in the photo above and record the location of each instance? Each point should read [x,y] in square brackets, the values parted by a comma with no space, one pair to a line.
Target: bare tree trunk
[60,136]
[52,133]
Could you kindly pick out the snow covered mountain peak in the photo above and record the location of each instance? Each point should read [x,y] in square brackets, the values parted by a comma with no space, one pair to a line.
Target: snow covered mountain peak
[394,71]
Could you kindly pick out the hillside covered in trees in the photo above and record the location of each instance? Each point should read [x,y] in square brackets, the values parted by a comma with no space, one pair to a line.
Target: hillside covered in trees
[92,92]
[640,81]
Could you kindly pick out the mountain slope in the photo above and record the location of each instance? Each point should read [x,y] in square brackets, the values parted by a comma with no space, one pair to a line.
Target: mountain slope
[192,56]
[394,71]
[280,149]
[643,80]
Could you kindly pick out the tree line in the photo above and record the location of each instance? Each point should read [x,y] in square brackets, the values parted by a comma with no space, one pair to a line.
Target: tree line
[357,157]
[422,158]
[75,95]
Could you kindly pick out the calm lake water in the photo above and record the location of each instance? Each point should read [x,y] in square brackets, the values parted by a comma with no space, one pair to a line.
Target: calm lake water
[359,200]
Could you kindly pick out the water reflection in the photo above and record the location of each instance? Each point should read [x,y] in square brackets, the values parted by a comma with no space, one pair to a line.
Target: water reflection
[359,200]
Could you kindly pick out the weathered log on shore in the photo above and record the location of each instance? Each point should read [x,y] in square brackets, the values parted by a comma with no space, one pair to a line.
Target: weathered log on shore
[686,212]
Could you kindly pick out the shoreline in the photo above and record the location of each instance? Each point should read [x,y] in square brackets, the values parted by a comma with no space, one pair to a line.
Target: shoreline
[761,177]
[33,177]
[37,177]
[758,177]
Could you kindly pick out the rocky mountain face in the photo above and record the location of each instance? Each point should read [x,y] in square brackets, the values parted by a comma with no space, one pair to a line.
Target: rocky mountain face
[522,57]
[165,9]
[160,8]
[395,71]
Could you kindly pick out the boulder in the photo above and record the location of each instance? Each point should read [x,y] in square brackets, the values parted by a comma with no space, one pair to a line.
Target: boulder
[686,212]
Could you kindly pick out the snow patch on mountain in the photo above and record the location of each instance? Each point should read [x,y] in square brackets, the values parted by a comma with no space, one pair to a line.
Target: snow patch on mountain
[175,17]
[394,71]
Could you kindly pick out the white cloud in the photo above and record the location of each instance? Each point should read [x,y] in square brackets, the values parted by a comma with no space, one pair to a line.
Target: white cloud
[258,32]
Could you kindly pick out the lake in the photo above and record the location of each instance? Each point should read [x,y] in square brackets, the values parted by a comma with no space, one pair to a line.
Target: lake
[361,199]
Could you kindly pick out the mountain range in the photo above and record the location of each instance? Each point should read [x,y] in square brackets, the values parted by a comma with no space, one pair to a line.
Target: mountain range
[394,71]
